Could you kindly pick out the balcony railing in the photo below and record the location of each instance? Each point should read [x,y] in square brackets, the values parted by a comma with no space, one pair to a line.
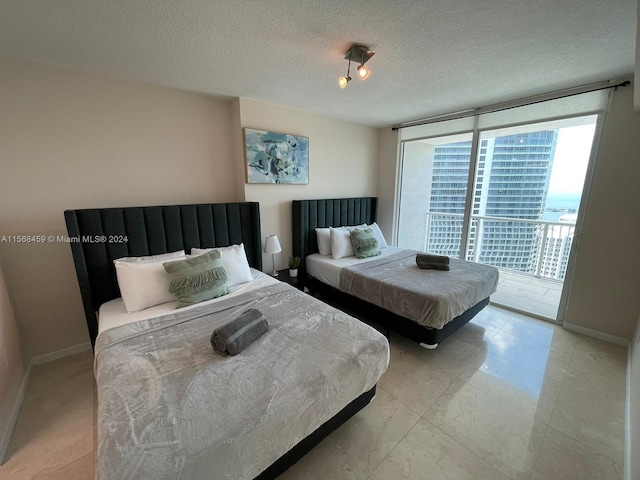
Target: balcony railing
[533,247]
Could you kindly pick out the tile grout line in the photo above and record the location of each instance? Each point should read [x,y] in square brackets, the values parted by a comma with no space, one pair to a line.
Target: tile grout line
[467,448]
[400,440]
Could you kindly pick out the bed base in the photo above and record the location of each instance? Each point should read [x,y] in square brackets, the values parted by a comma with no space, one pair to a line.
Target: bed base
[309,442]
[427,337]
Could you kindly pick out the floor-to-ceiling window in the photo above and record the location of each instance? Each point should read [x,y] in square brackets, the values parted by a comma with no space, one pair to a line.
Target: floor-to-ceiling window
[503,195]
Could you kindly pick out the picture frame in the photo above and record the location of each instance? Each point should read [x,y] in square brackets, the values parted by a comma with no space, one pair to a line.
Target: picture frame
[273,157]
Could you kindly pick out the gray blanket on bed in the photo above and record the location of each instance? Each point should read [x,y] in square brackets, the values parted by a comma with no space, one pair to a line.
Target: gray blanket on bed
[170,408]
[429,297]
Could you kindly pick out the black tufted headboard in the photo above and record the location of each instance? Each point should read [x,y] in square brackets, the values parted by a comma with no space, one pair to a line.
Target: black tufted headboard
[307,215]
[99,236]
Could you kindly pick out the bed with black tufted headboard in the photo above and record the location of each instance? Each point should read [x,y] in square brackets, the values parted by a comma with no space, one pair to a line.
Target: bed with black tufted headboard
[100,235]
[168,406]
[308,215]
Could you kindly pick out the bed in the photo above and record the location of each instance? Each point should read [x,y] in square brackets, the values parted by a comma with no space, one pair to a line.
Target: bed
[171,408]
[346,281]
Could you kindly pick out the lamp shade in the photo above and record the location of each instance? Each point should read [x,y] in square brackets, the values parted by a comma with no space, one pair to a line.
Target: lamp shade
[272,244]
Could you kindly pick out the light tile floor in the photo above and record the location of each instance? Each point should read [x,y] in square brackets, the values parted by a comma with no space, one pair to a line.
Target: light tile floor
[506,397]
[537,296]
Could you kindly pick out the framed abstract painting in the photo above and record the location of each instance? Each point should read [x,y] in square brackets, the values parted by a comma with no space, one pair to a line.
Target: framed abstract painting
[273,157]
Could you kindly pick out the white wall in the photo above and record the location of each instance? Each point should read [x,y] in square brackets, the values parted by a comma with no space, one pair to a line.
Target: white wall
[343,161]
[12,367]
[75,140]
[604,294]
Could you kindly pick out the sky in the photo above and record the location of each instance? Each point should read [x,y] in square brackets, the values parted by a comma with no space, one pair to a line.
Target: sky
[572,157]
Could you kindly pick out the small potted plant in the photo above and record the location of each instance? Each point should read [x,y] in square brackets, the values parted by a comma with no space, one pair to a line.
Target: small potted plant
[294,263]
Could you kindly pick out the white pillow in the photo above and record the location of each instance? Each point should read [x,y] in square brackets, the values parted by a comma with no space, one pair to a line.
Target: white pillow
[143,281]
[324,237]
[324,241]
[352,227]
[151,258]
[382,243]
[234,261]
[341,243]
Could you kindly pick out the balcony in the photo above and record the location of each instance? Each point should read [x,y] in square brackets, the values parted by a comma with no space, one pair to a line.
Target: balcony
[535,296]
[532,256]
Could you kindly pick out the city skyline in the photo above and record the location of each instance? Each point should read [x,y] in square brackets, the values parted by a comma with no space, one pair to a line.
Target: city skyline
[512,181]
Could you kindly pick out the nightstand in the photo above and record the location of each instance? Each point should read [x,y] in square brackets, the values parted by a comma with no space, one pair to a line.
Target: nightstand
[283,276]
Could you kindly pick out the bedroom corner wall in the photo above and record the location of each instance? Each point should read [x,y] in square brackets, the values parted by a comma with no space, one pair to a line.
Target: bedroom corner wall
[12,368]
[604,294]
[343,162]
[77,140]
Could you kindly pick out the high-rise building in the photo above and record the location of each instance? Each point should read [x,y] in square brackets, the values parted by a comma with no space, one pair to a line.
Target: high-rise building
[512,182]
[448,193]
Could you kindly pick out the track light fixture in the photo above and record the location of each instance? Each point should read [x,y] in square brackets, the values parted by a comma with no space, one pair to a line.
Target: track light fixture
[356,53]
[344,81]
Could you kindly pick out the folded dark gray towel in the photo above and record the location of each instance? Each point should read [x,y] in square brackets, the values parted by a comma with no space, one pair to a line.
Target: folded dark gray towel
[239,333]
[432,258]
[428,260]
[434,266]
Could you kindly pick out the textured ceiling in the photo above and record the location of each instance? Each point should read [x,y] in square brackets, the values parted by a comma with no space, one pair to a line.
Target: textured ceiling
[432,57]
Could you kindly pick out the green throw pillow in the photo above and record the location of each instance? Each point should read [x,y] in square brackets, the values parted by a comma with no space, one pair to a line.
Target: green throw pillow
[197,279]
[364,243]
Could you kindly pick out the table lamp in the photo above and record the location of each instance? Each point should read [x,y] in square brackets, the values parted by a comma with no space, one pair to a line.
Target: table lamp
[272,246]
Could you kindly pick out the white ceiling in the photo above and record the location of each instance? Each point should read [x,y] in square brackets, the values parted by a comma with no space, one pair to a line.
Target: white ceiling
[431,57]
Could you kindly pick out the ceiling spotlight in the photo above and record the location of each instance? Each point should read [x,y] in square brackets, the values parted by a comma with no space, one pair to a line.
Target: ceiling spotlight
[363,72]
[344,81]
[356,52]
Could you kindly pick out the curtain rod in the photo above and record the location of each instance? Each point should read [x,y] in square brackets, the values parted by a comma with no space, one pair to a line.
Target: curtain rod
[499,107]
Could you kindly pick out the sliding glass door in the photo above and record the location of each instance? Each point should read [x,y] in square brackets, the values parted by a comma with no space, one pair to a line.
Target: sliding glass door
[513,205]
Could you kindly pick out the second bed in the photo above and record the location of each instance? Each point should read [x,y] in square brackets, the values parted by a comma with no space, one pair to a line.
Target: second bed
[426,305]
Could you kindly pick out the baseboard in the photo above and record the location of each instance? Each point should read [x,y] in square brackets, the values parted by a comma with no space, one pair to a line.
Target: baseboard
[15,411]
[596,334]
[65,352]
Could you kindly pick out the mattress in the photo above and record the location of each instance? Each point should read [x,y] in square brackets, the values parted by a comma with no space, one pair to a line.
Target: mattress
[113,313]
[327,270]
[169,407]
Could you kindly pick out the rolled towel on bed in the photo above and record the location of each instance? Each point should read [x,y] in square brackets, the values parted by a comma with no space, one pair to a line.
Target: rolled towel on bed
[239,333]
[428,260]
